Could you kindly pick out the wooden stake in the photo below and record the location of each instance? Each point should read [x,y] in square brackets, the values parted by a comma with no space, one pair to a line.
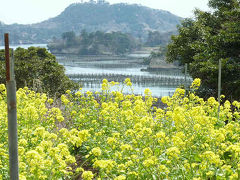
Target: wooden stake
[219,84]
[12,114]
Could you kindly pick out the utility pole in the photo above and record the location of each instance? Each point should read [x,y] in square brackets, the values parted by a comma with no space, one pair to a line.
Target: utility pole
[12,113]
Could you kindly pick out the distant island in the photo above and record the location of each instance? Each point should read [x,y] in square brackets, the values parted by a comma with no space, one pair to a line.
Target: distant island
[95,43]
[134,19]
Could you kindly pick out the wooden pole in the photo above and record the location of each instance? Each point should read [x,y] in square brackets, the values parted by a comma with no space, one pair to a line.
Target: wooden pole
[12,113]
[185,78]
[219,84]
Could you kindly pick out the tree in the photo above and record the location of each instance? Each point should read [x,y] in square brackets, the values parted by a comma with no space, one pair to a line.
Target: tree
[69,38]
[156,38]
[161,54]
[39,70]
[204,40]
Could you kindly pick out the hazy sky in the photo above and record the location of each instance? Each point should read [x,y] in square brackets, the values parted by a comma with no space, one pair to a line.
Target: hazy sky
[32,11]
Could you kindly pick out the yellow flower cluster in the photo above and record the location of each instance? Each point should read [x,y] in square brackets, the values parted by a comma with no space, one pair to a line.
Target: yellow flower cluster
[136,141]
[96,151]
[123,136]
[196,83]
[87,175]
[44,150]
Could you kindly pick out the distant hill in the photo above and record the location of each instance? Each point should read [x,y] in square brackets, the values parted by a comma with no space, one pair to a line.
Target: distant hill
[134,19]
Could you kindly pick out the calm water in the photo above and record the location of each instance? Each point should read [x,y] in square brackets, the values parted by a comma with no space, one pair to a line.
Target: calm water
[90,73]
[161,83]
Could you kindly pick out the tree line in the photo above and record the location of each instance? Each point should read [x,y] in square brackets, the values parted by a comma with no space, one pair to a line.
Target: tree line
[94,43]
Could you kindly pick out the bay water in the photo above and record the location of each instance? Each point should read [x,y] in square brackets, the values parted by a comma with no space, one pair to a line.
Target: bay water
[91,70]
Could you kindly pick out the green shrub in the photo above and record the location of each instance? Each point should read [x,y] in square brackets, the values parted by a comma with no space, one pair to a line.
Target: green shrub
[38,69]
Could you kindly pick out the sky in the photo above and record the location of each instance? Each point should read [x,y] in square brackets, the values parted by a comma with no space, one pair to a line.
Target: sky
[34,11]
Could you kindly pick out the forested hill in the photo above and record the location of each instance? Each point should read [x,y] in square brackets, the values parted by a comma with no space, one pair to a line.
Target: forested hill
[134,19]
